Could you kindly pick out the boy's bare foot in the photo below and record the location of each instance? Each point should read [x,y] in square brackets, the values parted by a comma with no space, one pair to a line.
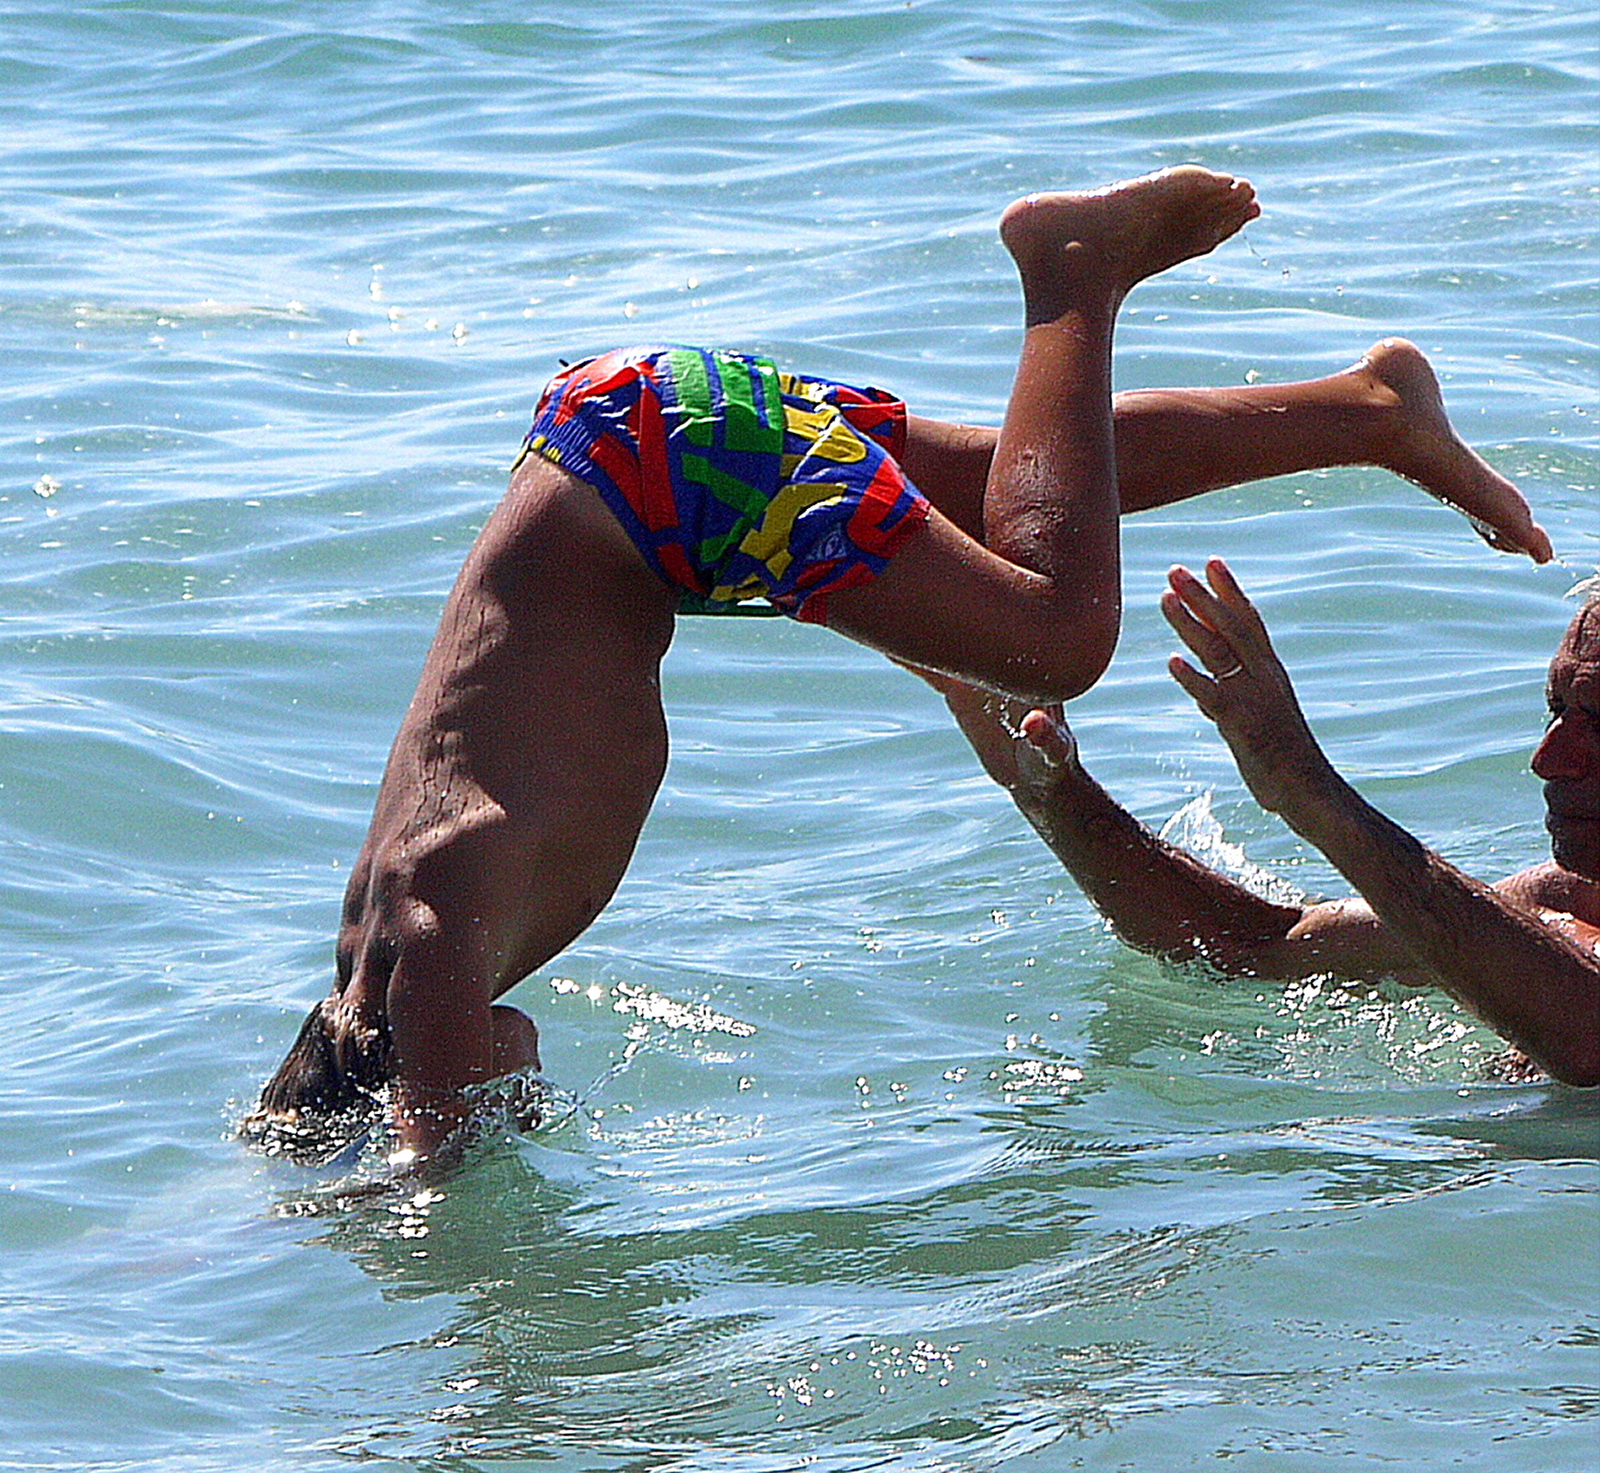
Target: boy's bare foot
[1125,232]
[1427,450]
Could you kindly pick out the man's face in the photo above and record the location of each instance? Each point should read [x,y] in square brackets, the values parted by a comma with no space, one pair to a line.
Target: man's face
[1568,759]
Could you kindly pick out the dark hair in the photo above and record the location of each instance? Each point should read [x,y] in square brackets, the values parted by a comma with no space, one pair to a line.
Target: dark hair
[327,1090]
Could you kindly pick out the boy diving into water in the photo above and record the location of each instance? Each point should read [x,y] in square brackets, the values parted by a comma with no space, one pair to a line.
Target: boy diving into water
[655,479]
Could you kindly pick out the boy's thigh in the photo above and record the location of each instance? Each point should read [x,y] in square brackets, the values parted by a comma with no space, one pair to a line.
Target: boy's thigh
[949,464]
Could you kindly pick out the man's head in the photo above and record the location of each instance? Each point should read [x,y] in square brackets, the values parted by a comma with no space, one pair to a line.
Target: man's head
[1568,759]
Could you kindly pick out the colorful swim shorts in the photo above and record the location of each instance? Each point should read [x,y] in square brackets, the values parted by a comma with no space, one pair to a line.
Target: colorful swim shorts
[736,481]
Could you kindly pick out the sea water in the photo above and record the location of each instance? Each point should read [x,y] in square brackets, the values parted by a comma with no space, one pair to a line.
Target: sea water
[876,1150]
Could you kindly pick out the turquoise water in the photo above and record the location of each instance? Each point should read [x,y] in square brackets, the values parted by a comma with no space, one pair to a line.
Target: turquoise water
[926,1172]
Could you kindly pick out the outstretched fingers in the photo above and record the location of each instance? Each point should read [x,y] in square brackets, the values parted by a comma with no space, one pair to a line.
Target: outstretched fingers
[1243,686]
[1222,628]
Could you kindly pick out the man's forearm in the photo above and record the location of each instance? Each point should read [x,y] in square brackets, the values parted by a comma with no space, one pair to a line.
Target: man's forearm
[1522,976]
[1158,898]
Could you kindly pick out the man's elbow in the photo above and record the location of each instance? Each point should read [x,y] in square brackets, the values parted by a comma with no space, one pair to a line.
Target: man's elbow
[1577,1065]
[1181,942]
[1564,1047]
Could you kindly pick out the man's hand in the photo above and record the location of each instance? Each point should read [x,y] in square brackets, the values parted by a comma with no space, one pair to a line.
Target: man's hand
[1525,973]
[1243,687]
[1024,748]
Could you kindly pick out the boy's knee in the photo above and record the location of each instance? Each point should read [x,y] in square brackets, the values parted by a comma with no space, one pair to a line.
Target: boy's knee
[1075,660]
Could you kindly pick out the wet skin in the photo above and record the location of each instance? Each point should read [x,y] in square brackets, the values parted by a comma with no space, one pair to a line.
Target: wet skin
[533,747]
[1524,953]
[1568,759]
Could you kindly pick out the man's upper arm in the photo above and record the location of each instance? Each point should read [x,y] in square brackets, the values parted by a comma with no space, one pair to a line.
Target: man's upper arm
[1580,933]
[1345,938]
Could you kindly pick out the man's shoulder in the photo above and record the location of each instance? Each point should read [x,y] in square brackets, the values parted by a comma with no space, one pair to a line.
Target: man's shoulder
[1550,887]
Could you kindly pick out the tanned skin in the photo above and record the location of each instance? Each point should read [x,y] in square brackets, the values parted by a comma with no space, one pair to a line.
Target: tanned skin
[1523,953]
[533,748]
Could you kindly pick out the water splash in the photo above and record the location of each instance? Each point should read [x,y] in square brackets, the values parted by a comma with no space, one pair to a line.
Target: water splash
[367,1166]
[1586,589]
[1195,828]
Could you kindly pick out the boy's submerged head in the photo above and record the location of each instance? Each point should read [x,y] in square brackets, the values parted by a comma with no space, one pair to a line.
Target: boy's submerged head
[329,1087]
